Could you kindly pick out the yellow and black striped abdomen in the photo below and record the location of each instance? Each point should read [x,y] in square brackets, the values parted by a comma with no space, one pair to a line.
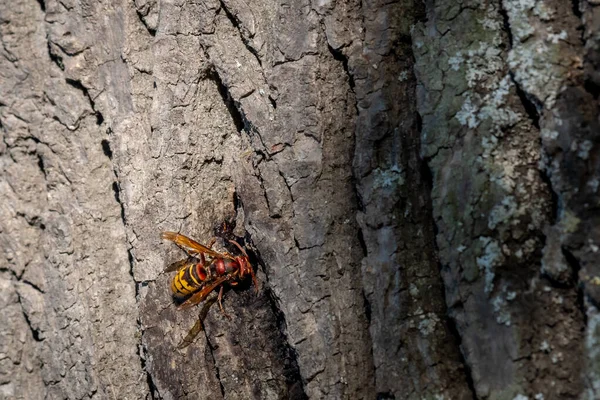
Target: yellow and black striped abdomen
[186,281]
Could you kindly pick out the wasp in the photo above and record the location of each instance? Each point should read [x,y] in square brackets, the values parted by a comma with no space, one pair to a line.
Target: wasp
[197,277]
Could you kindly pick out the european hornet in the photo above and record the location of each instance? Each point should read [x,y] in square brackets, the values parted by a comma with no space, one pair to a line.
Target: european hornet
[197,278]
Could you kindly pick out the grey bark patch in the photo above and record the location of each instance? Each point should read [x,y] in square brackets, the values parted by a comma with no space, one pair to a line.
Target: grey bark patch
[72,293]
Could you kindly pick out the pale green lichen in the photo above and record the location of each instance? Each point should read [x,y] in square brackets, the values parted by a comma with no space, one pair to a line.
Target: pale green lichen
[503,212]
[500,309]
[568,222]
[555,37]
[533,72]
[593,184]
[468,114]
[548,134]
[545,12]
[536,55]
[493,106]
[482,63]
[584,149]
[492,257]
[456,61]
[501,306]
[556,357]
[413,290]
[520,27]
[388,178]
[428,325]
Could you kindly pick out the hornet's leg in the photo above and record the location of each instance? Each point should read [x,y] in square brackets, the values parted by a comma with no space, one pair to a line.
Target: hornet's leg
[197,328]
[254,280]
[201,295]
[220,298]
[204,264]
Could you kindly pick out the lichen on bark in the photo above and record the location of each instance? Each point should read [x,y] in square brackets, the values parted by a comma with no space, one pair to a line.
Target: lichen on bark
[491,203]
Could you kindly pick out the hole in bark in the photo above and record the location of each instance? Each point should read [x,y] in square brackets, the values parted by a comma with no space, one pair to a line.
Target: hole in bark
[531,108]
[236,203]
[576,266]
[106,149]
[339,56]
[55,58]
[360,205]
[420,11]
[273,102]
[41,165]
[361,240]
[115,188]
[593,88]
[572,261]
[419,124]
[76,85]
[141,16]
[385,396]
[554,200]
[117,192]
[34,332]
[427,178]
[367,306]
[576,9]
[42,5]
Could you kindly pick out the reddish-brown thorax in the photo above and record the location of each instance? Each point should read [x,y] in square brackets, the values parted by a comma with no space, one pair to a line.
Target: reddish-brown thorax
[225,266]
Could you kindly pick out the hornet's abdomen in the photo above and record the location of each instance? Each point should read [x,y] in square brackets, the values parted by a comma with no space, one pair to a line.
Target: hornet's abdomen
[188,280]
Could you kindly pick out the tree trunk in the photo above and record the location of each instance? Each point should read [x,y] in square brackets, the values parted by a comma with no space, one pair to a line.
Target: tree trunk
[416,184]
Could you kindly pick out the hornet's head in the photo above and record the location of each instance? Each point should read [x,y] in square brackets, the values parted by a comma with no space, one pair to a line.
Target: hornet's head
[245,266]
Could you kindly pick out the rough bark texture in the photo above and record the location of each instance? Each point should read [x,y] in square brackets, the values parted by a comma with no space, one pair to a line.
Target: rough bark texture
[495,77]
[417,184]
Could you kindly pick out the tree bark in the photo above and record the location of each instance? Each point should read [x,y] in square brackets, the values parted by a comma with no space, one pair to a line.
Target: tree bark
[416,184]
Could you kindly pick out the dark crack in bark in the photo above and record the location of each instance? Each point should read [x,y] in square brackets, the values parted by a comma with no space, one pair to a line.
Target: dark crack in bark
[211,350]
[241,123]
[448,320]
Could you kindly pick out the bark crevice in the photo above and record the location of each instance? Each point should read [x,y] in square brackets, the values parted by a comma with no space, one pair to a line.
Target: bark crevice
[236,24]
